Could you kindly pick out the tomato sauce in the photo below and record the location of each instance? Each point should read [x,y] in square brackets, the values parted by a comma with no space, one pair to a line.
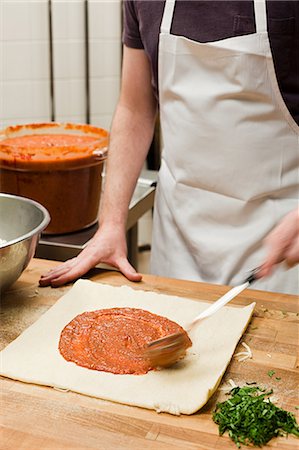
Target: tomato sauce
[114,340]
[57,165]
[47,147]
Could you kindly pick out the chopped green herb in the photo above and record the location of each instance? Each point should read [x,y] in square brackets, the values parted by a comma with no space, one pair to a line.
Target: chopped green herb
[271,373]
[278,378]
[254,328]
[296,407]
[252,419]
[253,382]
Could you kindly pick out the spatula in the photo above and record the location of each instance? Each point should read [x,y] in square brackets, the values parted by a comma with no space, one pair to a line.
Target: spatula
[166,351]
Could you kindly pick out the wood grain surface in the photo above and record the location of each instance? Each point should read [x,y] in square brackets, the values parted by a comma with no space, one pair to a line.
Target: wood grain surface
[42,418]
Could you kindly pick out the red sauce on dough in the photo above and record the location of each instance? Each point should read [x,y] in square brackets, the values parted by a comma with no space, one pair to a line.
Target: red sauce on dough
[114,340]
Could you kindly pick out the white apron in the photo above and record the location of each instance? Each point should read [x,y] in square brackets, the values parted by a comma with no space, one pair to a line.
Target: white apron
[230,150]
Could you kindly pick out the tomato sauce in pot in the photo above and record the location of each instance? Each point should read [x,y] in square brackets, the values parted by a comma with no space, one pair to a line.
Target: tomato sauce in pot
[58,165]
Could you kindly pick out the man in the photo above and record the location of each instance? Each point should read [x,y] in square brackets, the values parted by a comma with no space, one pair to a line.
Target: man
[229,124]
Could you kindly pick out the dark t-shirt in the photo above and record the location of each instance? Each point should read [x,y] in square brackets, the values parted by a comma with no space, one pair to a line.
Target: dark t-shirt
[207,21]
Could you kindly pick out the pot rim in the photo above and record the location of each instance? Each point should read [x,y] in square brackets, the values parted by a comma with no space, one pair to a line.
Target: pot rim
[80,155]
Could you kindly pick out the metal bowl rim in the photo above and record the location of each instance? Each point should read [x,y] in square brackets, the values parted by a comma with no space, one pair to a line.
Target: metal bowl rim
[35,230]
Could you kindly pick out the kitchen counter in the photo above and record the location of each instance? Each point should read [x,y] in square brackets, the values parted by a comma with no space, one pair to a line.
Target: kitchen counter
[42,418]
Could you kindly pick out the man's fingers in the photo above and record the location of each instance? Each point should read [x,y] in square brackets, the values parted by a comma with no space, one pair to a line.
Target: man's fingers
[292,253]
[77,267]
[276,251]
[65,278]
[66,272]
[45,279]
[127,270]
[282,244]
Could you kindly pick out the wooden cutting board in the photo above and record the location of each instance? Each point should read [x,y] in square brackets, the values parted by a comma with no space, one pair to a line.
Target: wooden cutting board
[41,418]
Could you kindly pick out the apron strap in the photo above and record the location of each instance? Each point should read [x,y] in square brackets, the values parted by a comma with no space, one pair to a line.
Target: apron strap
[260,15]
[167,16]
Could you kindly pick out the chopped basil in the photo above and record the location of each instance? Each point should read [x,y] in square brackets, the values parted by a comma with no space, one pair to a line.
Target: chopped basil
[271,373]
[252,419]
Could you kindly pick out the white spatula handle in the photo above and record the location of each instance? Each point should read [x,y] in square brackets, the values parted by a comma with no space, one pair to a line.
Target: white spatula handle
[232,293]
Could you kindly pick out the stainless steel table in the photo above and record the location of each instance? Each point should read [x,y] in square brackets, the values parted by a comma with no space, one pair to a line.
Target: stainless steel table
[64,246]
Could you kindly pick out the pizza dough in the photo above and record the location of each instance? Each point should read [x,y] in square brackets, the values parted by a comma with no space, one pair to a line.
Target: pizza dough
[182,389]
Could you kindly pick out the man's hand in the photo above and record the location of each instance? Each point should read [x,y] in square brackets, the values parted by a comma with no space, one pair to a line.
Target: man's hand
[107,246]
[282,244]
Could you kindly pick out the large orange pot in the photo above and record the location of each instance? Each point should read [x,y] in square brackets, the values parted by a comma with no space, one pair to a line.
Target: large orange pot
[59,166]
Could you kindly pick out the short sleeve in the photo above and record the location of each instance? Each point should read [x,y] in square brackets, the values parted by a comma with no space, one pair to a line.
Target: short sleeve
[131,34]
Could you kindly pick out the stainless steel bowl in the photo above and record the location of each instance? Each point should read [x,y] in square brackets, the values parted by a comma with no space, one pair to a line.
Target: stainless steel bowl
[21,222]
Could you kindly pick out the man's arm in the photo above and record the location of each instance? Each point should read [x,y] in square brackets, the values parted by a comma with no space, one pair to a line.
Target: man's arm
[131,136]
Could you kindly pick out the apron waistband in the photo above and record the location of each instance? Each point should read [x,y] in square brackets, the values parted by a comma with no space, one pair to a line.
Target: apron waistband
[259,11]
